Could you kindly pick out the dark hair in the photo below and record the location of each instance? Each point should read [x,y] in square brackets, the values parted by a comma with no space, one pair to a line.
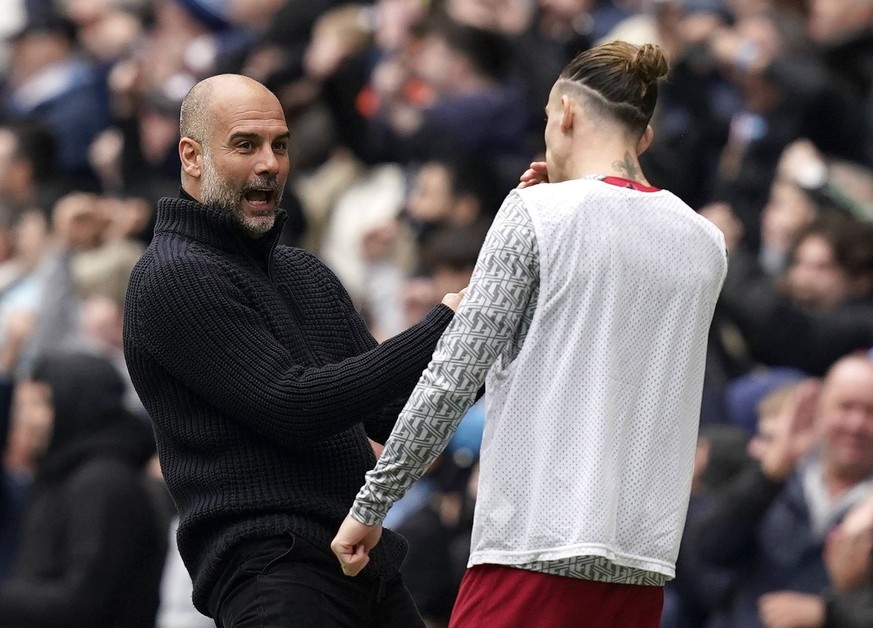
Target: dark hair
[625,77]
[456,248]
[487,51]
[47,21]
[35,143]
[474,175]
[851,241]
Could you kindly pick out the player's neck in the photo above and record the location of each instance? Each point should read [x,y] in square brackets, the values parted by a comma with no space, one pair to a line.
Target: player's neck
[612,161]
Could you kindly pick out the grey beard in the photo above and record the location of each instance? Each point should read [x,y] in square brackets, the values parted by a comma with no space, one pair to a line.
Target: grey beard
[215,192]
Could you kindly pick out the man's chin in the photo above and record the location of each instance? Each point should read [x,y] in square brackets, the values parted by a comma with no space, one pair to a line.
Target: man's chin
[256,226]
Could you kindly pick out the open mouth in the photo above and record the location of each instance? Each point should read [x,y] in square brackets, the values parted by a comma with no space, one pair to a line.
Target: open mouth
[260,197]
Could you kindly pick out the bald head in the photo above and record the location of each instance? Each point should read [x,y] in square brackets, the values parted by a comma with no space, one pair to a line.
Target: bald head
[199,105]
[856,364]
[846,415]
[234,149]
[851,369]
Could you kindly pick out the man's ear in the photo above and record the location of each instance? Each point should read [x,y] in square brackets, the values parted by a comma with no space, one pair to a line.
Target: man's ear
[191,154]
[645,140]
[567,114]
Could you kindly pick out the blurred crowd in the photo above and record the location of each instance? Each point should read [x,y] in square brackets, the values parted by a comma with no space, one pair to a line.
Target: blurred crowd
[411,120]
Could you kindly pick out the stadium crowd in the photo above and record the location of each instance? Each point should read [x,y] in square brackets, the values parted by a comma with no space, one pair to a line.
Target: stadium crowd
[411,120]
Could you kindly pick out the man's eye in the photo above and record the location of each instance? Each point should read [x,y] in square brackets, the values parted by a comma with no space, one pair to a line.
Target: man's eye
[244,145]
[280,147]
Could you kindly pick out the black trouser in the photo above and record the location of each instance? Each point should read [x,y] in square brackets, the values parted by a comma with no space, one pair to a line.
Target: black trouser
[286,582]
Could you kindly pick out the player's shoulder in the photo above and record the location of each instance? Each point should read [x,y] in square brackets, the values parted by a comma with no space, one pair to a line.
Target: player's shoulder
[555,199]
[545,193]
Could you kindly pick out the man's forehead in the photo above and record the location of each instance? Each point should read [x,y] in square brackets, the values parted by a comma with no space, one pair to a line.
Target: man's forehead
[259,118]
[851,375]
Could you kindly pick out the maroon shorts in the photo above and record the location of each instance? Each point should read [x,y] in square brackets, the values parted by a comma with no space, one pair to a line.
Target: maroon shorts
[496,596]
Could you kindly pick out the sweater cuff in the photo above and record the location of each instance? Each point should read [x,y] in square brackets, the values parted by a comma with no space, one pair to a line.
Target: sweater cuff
[440,314]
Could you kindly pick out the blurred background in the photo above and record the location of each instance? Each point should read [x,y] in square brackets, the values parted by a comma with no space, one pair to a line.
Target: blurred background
[411,120]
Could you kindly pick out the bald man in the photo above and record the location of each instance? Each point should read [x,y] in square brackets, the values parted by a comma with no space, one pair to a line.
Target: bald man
[262,381]
[773,521]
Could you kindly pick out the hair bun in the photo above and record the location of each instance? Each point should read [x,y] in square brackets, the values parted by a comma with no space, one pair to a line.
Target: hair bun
[649,63]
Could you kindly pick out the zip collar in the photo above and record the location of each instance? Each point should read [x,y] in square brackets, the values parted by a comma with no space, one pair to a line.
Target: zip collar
[216,228]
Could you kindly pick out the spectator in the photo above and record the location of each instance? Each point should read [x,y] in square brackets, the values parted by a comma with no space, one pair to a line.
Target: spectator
[459,192]
[13,487]
[21,284]
[700,586]
[773,519]
[51,83]
[843,29]
[821,309]
[786,95]
[848,560]
[475,105]
[92,545]
[746,78]
[790,207]
[28,168]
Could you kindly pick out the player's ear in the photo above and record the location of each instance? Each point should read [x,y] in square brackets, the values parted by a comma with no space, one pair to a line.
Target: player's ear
[567,114]
[645,140]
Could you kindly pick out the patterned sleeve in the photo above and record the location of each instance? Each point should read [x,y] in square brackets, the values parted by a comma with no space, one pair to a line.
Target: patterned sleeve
[491,323]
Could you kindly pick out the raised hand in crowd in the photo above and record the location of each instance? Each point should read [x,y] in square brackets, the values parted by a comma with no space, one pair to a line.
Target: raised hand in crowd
[789,609]
[794,435]
[847,558]
[848,548]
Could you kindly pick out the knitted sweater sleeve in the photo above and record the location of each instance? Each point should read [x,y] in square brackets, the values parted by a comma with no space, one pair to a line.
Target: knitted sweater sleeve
[378,425]
[199,326]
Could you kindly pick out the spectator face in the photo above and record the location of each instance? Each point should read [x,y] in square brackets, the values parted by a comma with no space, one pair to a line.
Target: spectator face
[815,279]
[31,235]
[101,321]
[846,415]
[36,50]
[418,297]
[767,429]
[430,199]
[830,20]
[504,16]
[159,133]
[563,10]
[437,64]
[80,220]
[245,164]
[478,13]
[13,172]
[394,19]
[32,421]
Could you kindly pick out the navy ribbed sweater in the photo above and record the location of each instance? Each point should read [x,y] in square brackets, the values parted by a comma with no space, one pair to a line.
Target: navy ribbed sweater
[262,383]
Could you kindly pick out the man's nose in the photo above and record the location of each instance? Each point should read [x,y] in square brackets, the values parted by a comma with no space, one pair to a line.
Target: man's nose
[857,420]
[268,161]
